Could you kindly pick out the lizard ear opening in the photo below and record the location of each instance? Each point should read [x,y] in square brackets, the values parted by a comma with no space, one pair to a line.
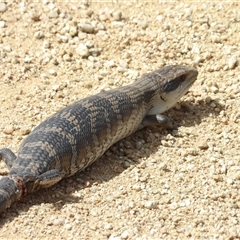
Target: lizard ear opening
[174,83]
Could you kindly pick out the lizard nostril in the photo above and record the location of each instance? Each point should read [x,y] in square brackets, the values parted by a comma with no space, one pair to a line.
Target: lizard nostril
[163,98]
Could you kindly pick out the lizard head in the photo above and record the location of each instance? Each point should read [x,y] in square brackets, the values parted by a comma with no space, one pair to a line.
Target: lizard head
[174,81]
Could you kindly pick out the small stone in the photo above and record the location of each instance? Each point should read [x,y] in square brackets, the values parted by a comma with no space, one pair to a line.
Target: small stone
[56,88]
[68,226]
[73,31]
[117,15]
[217,178]
[95,51]
[139,145]
[214,89]
[125,235]
[213,105]
[27,60]
[38,34]
[53,14]
[232,62]
[87,28]
[114,238]
[189,24]
[58,221]
[89,44]
[151,204]
[25,131]
[203,146]
[163,166]
[35,16]
[82,50]
[2,24]
[67,58]
[136,187]
[15,61]
[7,49]
[165,143]
[54,61]
[8,130]
[53,72]
[143,24]
[101,27]
[117,24]
[185,203]
[24,69]
[109,63]
[208,99]
[46,60]
[3,7]
[46,44]
[44,76]
[108,226]
[216,39]
[229,181]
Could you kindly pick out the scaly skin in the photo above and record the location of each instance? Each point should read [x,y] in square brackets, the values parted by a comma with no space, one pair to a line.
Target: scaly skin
[77,135]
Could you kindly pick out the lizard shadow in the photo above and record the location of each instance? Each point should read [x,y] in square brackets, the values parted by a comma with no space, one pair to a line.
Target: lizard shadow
[117,159]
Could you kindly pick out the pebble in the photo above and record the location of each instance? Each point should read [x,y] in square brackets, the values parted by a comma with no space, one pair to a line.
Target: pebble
[232,62]
[214,89]
[108,226]
[25,131]
[2,24]
[117,15]
[163,166]
[125,234]
[7,48]
[46,44]
[151,204]
[73,31]
[58,221]
[109,63]
[213,105]
[114,238]
[35,16]
[229,181]
[87,28]
[95,51]
[66,57]
[82,50]
[143,24]
[27,60]
[203,145]
[89,44]
[3,7]
[139,144]
[208,99]
[68,226]
[53,72]
[53,14]
[118,24]
[38,34]
[8,130]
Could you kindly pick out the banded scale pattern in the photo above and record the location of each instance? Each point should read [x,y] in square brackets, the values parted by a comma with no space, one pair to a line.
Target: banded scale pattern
[77,135]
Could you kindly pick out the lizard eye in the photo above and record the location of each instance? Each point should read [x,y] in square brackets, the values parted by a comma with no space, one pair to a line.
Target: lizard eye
[173,84]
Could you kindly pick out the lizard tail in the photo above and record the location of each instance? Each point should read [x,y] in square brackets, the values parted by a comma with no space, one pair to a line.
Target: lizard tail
[11,190]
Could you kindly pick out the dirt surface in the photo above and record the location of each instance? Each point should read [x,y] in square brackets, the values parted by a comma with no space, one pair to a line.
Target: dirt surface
[156,184]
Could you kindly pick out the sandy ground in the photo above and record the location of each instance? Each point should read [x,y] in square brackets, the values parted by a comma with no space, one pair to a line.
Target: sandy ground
[156,184]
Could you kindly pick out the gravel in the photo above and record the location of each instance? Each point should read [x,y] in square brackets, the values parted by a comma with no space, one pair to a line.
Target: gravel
[155,184]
